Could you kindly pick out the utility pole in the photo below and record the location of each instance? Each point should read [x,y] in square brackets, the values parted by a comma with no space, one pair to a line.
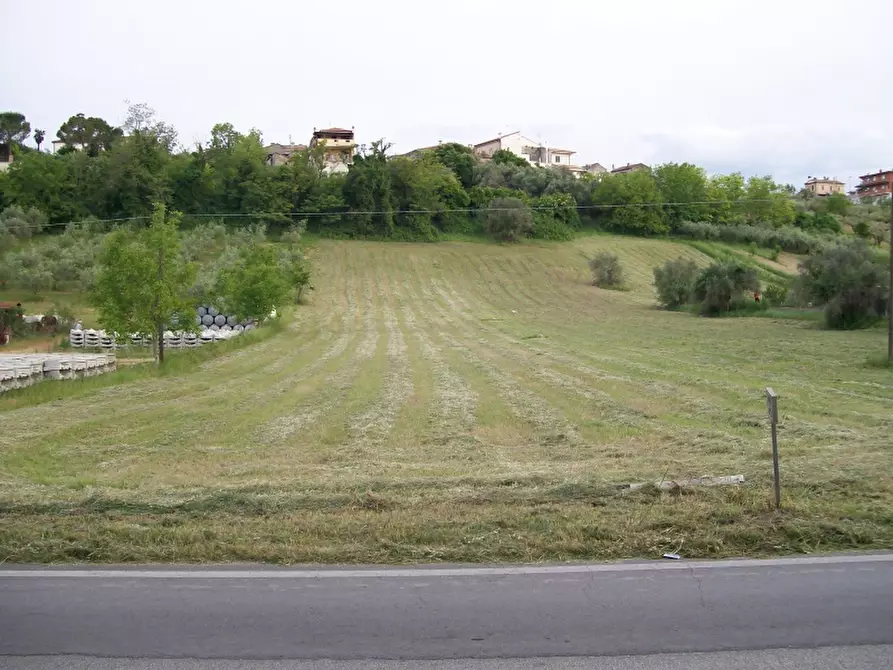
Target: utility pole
[890,294]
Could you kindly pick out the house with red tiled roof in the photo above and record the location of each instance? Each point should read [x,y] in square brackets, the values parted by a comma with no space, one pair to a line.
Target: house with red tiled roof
[340,147]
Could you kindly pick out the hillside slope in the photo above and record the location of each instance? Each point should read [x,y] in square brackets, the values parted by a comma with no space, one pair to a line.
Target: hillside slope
[465,402]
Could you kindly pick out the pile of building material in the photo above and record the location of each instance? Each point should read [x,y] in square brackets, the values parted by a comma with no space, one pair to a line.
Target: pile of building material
[21,370]
[212,327]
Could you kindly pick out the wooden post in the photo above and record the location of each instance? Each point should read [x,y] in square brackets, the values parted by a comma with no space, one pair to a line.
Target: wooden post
[772,407]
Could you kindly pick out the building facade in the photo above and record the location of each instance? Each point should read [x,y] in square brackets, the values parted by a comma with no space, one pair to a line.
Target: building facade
[875,185]
[340,147]
[6,157]
[823,186]
[278,154]
[535,153]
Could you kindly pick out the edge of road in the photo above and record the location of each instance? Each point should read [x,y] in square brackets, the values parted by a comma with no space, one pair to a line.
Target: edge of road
[244,571]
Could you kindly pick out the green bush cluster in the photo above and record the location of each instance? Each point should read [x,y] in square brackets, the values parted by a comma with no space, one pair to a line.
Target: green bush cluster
[722,287]
[607,271]
[849,281]
[788,238]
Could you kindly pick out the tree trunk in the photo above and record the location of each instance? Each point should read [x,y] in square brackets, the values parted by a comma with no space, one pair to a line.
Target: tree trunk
[160,331]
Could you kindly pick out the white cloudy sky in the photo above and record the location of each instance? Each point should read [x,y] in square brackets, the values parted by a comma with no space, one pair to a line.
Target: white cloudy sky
[785,87]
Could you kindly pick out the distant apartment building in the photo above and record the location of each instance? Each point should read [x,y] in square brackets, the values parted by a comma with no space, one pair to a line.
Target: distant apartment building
[875,185]
[629,167]
[823,186]
[6,157]
[340,147]
[278,154]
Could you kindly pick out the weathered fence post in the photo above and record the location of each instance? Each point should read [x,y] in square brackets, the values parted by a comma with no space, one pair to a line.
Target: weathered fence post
[772,407]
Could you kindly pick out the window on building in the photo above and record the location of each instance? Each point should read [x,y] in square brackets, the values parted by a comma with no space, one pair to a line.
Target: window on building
[557,159]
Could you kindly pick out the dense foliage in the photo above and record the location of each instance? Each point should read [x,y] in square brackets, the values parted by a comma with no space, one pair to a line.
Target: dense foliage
[675,282]
[508,219]
[607,272]
[723,287]
[142,285]
[118,173]
[849,280]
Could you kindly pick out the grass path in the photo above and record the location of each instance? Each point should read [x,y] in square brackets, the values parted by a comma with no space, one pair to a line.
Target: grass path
[465,402]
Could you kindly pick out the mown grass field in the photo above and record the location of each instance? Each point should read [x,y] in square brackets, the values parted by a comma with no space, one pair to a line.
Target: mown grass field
[464,402]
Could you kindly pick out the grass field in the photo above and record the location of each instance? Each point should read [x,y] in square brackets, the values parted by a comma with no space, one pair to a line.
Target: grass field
[464,402]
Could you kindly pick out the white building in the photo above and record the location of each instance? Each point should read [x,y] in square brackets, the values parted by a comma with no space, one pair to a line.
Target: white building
[532,151]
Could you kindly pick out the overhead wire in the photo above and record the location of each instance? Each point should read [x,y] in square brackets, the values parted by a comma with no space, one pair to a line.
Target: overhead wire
[463,210]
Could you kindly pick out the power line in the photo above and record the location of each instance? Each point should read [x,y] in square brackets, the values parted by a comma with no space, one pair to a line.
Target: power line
[465,210]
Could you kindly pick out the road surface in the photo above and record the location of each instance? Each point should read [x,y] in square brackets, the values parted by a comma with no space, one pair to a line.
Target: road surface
[679,610]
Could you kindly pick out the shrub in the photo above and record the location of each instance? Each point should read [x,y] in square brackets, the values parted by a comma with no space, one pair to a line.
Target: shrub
[775,294]
[547,227]
[787,238]
[675,282]
[20,223]
[850,281]
[607,272]
[508,219]
[721,287]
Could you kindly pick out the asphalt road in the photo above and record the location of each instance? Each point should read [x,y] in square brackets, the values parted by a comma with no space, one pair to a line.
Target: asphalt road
[754,608]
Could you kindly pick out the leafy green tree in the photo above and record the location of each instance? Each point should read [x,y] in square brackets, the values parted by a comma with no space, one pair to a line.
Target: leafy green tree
[725,193]
[768,203]
[458,158]
[837,203]
[39,136]
[675,282]
[631,204]
[14,128]
[142,283]
[89,133]
[508,219]
[368,192]
[141,120]
[258,282]
[506,157]
[135,176]
[683,183]
[49,183]
[849,280]
[426,196]
[293,263]
[721,287]
[240,180]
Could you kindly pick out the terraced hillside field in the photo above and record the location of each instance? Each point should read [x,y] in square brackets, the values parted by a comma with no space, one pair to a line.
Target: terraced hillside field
[465,402]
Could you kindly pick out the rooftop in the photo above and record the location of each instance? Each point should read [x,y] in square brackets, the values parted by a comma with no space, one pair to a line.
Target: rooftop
[823,180]
[332,131]
[630,166]
[284,148]
[496,139]
[875,174]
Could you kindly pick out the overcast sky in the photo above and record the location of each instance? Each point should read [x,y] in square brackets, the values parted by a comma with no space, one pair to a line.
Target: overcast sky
[785,87]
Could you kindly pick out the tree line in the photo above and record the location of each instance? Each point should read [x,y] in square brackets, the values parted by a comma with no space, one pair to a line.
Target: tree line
[115,173]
